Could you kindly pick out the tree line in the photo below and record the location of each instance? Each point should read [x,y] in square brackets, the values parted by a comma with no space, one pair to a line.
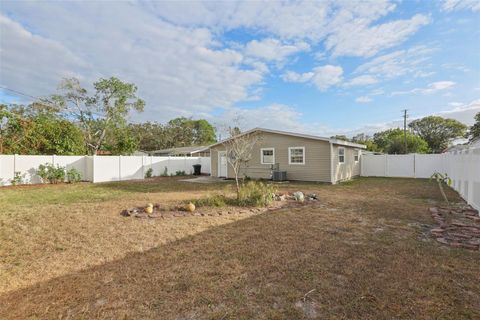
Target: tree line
[73,121]
[430,134]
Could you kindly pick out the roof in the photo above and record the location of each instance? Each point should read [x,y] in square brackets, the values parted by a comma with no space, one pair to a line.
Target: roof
[300,135]
[182,150]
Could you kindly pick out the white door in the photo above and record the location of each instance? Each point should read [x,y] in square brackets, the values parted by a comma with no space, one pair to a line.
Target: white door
[222,164]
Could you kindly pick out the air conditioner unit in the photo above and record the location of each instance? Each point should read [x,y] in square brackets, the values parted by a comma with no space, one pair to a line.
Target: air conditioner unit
[279,175]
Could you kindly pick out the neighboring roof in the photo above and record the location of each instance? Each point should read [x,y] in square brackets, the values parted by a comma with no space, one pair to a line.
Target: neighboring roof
[182,150]
[307,136]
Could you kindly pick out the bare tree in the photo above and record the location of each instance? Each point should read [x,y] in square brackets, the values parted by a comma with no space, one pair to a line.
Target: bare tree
[239,151]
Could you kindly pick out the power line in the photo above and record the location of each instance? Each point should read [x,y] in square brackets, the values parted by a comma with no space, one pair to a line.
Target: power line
[20,93]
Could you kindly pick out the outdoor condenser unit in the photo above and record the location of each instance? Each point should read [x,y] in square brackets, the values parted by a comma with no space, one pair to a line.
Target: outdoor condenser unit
[279,175]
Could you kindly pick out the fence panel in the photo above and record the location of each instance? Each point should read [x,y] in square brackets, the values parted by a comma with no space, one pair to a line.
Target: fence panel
[98,168]
[131,168]
[106,168]
[401,166]
[427,164]
[373,165]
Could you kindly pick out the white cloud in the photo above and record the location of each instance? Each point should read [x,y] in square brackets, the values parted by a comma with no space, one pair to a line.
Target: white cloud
[363,99]
[362,80]
[430,89]
[398,63]
[178,70]
[348,26]
[322,77]
[463,112]
[273,49]
[292,76]
[453,5]
[360,39]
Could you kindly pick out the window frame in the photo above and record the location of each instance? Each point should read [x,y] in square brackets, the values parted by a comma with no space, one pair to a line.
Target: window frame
[356,157]
[290,156]
[343,155]
[261,155]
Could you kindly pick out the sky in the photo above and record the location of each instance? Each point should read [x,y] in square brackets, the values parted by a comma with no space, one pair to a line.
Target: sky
[323,68]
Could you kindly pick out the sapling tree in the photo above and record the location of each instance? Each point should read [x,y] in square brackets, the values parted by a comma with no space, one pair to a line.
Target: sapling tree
[442,179]
[239,151]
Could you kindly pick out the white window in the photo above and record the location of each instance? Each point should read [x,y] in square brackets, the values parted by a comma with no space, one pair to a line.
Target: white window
[357,156]
[341,155]
[267,155]
[296,155]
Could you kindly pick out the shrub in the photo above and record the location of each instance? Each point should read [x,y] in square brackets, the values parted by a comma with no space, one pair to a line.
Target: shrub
[180,173]
[17,178]
[149,173]
[212,201]
[165,172]
[254,193]
[48,172]
[73,175]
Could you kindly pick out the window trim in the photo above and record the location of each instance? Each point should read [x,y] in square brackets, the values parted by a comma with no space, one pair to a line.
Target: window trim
[357,156]
[341,148]
[261,155]
[290,156]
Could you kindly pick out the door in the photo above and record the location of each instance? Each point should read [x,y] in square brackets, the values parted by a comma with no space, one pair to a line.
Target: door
[222,164]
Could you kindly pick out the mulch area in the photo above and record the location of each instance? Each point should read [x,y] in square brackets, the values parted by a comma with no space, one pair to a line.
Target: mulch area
[456,226]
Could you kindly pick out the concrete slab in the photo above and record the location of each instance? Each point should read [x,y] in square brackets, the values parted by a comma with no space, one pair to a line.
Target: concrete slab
[206,180]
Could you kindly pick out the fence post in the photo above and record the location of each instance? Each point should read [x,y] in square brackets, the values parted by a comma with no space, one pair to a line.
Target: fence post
[120,168]
[143,167]
[386,165]
[93,167]
[414,165]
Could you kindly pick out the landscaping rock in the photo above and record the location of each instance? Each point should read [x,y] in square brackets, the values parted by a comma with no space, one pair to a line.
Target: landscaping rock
[299,196]
[463,232]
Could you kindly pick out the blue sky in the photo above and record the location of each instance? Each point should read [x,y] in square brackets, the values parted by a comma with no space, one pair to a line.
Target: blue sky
[327,67]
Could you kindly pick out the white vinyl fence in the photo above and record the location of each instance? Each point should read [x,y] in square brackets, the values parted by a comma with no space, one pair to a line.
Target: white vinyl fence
[98,168]
[463,167]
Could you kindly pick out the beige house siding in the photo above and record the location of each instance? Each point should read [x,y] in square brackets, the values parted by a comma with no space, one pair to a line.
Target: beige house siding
[317,165]
[348,169]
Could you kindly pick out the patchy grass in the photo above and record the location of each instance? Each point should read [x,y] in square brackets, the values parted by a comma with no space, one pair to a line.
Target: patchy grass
[359,253]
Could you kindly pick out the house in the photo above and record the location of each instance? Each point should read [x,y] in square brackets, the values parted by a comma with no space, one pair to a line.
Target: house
[303,157]
[195,151]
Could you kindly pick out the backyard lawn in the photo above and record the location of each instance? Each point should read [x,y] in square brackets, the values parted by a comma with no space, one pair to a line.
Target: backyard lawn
[361,252]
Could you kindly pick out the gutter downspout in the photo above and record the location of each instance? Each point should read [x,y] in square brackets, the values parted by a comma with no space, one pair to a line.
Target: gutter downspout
[332,171]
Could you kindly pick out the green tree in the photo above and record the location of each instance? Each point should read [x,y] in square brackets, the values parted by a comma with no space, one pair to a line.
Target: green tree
[366,140]
[149,136]
[392,142]
[105,111]
[437,131]
[34,129]
[475,129]
[340,137]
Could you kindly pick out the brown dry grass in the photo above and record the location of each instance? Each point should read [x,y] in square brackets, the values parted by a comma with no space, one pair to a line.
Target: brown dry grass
[361,250]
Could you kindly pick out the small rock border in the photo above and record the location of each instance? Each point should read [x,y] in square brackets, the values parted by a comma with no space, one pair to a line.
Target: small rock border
[282,200]
[456,227]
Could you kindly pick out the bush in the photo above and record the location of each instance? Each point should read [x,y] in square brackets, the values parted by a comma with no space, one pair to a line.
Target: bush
[165,172]
[48,172]
[17,178]
[212,201]
[254,193]
[180,173]
[149,173]
[73,175]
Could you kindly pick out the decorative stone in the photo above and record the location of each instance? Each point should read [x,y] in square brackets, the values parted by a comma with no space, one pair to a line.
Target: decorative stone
[299,196]
[149,209]
[190,207]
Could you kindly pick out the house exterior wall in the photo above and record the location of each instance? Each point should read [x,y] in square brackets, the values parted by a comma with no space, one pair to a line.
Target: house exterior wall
[317,165]
[348,169]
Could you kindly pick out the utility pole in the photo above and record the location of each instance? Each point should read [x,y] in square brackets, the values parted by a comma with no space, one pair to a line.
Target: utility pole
[405,129]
